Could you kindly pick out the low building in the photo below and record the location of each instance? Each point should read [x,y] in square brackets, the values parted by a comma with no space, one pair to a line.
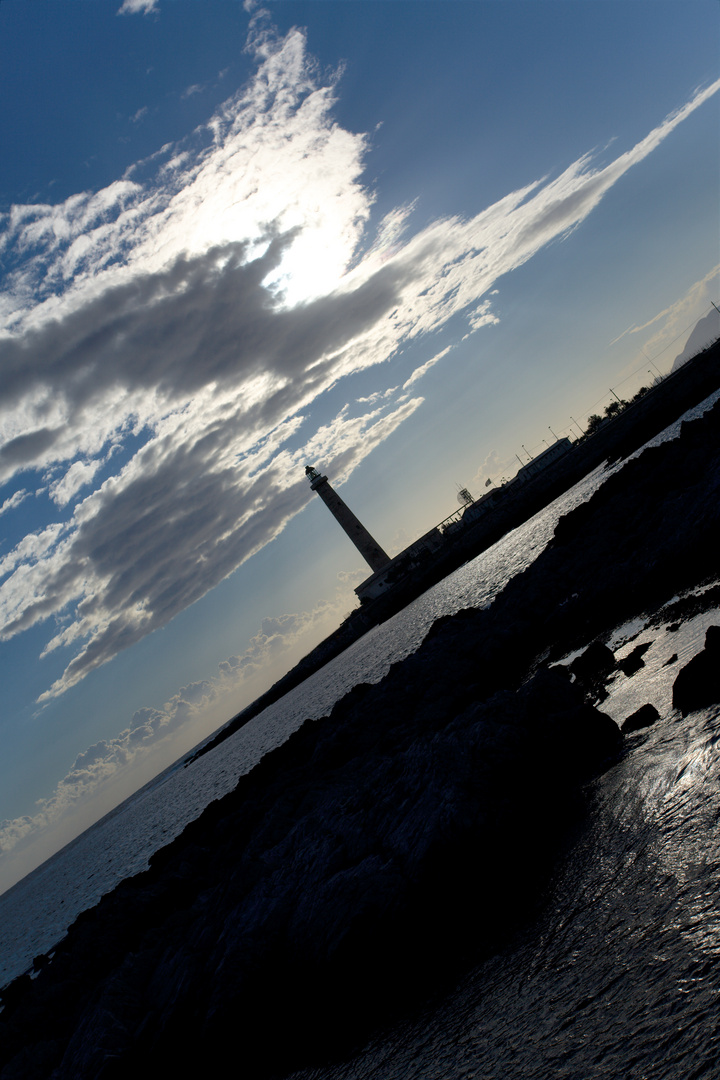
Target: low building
[543,460]
[486,502]
[401,566]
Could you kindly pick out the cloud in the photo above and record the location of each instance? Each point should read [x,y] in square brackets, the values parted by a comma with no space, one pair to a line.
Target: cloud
[493,468]
[102,761]
[14,501]
[277,634]
[678,319]
[176,521]
[151,729]
[133,7]
[420,371]
[196,312]
[378,395]
[79,475]
[697,298]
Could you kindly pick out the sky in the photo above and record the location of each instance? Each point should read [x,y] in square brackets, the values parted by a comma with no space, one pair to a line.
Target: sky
[406,242]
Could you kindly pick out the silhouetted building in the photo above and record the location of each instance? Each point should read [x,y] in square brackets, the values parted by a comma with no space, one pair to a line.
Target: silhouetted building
[543,460]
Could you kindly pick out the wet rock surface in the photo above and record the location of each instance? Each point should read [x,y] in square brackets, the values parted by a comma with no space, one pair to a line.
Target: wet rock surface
[380,845]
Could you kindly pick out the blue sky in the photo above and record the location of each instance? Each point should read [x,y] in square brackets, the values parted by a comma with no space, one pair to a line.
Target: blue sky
[397,240]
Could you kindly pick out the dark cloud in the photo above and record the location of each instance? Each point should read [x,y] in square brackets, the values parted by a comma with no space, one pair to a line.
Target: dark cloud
[172,530]
[25,449]
[207,320]
[563,213]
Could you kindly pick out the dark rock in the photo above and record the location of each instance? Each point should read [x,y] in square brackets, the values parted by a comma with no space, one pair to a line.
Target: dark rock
[592,666]
[634,660]
[321,873]
[442,620]
[698,684]
[16,991]
[641,718]
[569,525]
[695,603]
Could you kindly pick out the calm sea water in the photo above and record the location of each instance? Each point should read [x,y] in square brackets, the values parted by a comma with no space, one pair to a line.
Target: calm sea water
[627,947]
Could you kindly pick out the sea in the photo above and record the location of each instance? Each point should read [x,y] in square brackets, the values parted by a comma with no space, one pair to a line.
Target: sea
[617,973]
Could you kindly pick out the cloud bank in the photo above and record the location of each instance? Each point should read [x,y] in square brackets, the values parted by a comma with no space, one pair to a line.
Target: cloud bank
[100,762]
[106,760]
[186,322]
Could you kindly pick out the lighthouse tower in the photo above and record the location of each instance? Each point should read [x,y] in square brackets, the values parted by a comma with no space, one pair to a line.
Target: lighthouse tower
[371,551]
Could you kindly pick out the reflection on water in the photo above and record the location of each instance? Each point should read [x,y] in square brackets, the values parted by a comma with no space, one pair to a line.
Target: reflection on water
[619,976]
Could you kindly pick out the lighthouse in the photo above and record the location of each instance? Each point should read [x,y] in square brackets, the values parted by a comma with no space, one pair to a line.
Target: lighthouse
[370,550]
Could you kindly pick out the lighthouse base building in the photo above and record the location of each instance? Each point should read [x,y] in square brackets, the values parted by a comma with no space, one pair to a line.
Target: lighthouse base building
[386,572]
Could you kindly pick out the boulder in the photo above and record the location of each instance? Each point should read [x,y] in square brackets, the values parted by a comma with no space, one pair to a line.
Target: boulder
[641,718]
[634,660]
[594,665]
[698,684]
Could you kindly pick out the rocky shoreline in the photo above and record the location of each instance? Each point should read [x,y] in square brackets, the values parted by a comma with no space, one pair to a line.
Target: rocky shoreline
[368,856]
[617,438]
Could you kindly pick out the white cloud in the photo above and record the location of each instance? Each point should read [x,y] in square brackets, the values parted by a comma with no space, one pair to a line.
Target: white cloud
[493,468]
[379,395]
[133,7]
[678,319]
[695,302]
[209,306]
[420,371]
[276,635]
[31,548]
[79,475]
[102,761]
[180,517]
[14,501]
[153,729]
